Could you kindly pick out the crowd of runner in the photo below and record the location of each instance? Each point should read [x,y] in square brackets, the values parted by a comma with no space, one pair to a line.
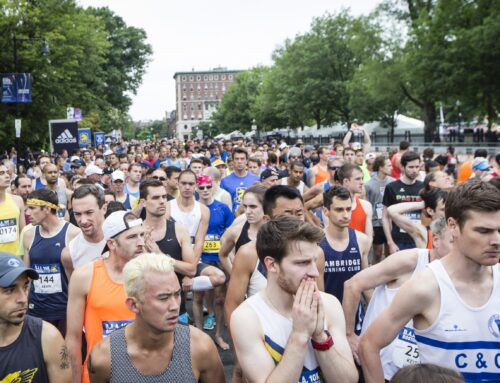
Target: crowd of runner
[332,263]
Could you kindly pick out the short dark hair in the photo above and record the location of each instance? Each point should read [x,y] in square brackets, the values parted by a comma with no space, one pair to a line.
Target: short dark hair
[345,172]
[195,161]
[15,181]
[403,145]
[425,372]
[275,236]
[379,162]
[188,171]
[431,197]
[430,164]
[240,150]
[134,164]
[495,181]
[428,153]
[89,189]
[408,157]
[297,163]
[169,170]
[480,153]
[275,192]
[471,196]
[151,183]
[335,191]
[47,196]
[114,206]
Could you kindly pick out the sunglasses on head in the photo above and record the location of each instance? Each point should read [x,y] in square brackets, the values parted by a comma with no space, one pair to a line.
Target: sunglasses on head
[159,178]
[333,167]
[205,187]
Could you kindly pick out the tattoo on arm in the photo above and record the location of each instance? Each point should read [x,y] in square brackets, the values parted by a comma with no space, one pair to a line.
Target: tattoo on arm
[64,358]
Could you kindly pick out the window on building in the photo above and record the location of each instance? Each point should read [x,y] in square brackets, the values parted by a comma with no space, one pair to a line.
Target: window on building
[190,78]
[223,77]
[183,78]
[216,77]
[230,77]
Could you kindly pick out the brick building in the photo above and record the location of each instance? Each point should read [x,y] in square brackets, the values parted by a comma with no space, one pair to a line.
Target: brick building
[197,96]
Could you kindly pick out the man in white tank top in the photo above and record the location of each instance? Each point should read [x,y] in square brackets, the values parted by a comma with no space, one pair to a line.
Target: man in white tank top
[455,301]
[386,277]
[291,330]
[87,246]
[294,178]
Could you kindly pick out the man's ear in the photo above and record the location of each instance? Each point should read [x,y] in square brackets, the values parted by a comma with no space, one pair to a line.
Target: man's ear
[132,304]
[271,264]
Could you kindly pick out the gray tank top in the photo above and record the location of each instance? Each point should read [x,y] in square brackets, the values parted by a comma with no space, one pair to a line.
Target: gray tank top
[178,370]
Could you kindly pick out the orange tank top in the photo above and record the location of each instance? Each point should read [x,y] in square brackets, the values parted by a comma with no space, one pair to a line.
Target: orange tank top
[105,309]
[321,174]
[429,239]
[358,217]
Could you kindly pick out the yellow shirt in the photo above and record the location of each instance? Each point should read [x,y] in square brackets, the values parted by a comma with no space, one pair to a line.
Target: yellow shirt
[9,225]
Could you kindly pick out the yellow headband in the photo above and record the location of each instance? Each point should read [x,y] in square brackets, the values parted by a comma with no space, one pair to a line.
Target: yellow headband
[40,202]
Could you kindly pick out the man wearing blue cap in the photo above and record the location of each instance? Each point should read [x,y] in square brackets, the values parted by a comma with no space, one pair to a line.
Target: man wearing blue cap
[31,350]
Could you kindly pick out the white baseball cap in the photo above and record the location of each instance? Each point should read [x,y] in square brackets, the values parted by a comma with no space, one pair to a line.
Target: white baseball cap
[93,169]
[108,152]
[117,175]
[118,222]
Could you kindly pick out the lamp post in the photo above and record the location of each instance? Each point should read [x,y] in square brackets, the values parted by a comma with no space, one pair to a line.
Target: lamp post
[45,51]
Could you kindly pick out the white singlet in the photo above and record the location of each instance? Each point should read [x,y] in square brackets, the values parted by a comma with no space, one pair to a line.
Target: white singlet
[277,329]
[463,338]
[190,219]
[257,281]
[402,351]
[83,251]
[300,188]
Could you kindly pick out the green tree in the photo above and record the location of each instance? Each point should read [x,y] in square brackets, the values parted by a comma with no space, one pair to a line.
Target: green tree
[238,106]
[73,74]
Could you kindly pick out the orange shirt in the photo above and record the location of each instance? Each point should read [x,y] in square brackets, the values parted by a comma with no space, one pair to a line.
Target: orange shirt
[429,239]
[464,171]
[321,174]
[105,309]
[358,217]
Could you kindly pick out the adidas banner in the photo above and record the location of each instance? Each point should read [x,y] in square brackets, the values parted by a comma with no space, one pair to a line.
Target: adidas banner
[64,135]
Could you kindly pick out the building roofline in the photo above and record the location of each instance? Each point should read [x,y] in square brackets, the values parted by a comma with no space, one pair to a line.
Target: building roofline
[213,71]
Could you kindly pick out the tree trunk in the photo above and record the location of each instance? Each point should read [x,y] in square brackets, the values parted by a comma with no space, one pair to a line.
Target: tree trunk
[317,118]
[429,111]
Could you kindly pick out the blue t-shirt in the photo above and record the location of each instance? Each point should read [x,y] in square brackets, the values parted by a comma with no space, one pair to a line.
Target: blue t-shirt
[236,186]
[221,218]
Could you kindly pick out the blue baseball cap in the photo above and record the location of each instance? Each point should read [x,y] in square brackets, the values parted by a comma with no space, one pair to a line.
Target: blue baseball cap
[11,268]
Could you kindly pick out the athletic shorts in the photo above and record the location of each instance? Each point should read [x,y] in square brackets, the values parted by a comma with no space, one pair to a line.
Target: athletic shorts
[203,265]
[379,236]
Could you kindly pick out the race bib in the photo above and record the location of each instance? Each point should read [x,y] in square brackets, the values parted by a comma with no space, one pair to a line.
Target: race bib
[405,349]
[8,230]
[112,325]
[49,281]
[379,208]
[211,244]
[414,216]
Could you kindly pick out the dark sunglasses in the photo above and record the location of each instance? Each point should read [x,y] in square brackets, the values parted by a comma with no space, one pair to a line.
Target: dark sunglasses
[333,167]
[159,178]
[206,187]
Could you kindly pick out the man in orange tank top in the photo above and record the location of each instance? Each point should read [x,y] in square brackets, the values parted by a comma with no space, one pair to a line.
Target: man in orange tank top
[351,177]
[319,172]
[97,296]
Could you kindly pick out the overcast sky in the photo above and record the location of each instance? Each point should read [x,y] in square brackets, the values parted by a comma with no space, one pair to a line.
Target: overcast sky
[200,34]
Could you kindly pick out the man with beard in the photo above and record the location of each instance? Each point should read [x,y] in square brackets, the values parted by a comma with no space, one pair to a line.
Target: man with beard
[404,189]
[155,348]
[96,293]
[51,175]
[87,246]
[31,350]
[288,328]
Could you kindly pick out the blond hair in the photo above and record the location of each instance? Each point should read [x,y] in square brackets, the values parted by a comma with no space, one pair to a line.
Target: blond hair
[135,269]
[213,173]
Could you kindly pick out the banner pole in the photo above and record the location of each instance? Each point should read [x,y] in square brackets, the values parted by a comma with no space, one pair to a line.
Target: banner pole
[51,146]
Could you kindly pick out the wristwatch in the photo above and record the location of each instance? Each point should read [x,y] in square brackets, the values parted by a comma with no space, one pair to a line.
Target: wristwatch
[323,345]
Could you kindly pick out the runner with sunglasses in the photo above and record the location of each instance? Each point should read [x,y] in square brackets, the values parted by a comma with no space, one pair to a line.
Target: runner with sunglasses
[221,218]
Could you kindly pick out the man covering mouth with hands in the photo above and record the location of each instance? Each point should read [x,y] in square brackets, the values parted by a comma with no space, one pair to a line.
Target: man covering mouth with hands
[290,329]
